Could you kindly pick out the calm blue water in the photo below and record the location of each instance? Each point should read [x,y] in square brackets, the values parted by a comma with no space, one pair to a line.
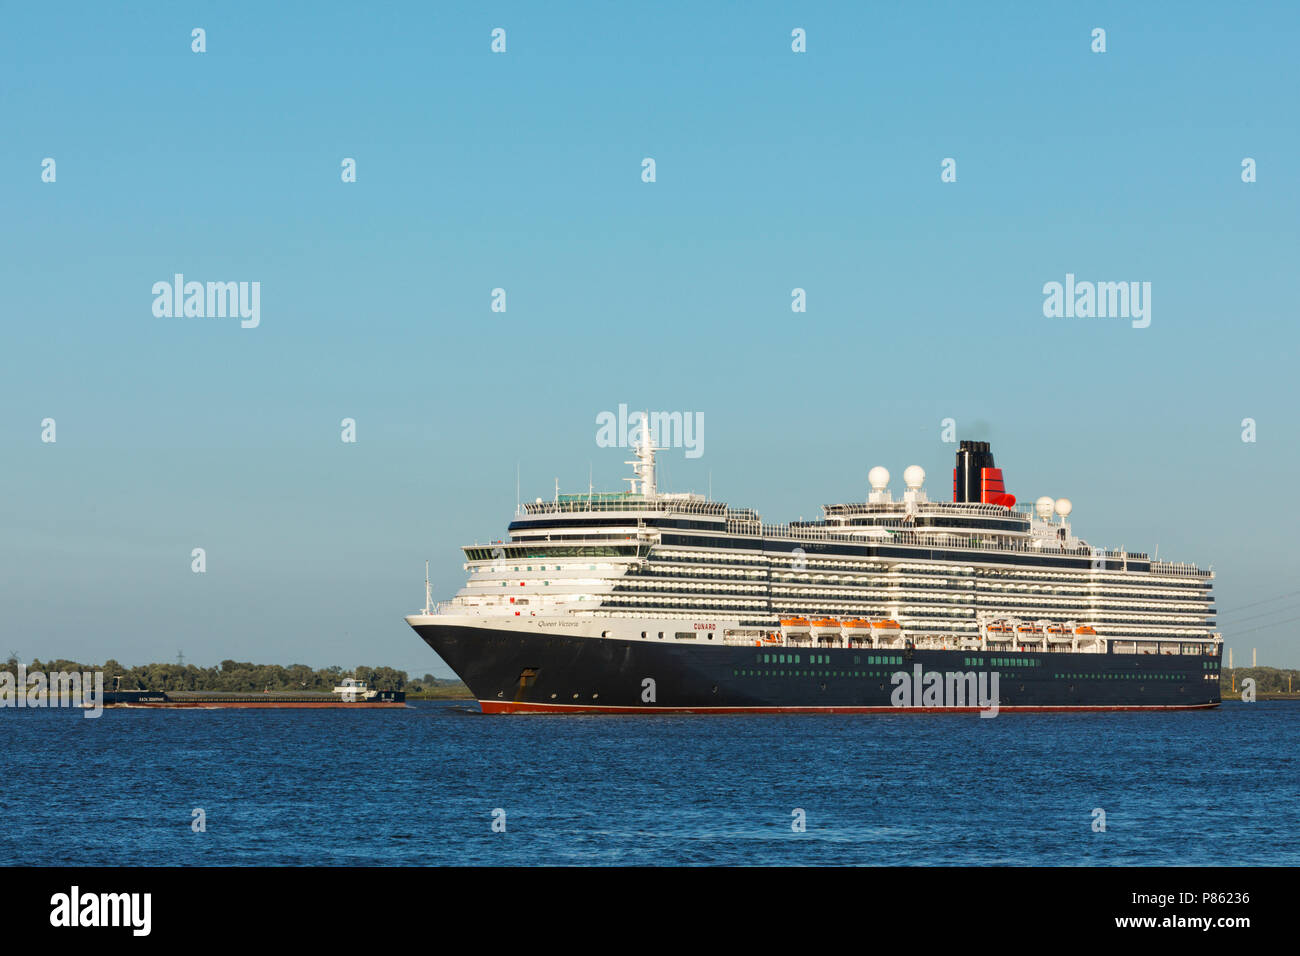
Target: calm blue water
[419,786]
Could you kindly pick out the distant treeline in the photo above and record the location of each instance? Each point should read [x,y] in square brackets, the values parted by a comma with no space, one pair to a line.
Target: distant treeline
[235,676]
[1268,680]
[238,676]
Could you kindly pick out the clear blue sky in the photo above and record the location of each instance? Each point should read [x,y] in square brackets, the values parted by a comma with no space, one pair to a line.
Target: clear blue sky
[523,171]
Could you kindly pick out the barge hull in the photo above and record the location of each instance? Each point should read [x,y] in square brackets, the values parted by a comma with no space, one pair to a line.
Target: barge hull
[255,705]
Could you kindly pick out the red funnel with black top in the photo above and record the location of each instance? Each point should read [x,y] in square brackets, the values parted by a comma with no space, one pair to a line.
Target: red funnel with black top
[976,478]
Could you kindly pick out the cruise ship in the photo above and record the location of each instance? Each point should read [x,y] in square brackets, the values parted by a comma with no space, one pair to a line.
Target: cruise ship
[643,602]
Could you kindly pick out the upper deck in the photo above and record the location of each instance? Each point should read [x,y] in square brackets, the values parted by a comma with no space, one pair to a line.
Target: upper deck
[628,523]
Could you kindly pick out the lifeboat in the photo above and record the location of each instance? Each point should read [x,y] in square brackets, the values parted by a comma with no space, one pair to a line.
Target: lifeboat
[791,627]
[1086,630]
[998,631]
[886,633]
[857,629]
[825,629]
[1056,632]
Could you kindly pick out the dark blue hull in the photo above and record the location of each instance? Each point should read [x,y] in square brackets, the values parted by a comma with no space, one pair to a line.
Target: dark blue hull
[522,671]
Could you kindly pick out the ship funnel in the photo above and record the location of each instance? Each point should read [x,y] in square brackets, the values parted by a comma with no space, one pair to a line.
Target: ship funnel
[976,479]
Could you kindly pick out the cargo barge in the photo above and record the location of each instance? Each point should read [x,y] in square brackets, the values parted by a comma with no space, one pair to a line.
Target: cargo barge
[351,694]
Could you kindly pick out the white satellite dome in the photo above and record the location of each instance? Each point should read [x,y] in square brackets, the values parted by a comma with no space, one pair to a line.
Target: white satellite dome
[1043,506]
[914,477]
[879,478]
[1064,506]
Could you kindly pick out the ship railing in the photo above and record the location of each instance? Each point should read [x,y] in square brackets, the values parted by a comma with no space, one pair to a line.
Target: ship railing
[950,642]
[572,504]
[1179,567]
[940,539]
[930,507]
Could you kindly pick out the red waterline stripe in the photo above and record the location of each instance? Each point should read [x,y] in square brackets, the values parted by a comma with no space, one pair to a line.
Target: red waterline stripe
[512,707]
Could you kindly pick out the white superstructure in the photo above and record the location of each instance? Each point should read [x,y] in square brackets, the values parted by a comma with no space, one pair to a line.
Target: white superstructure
[644,565]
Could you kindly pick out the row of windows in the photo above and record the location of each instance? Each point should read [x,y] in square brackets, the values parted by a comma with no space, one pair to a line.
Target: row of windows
[1114,573]
[699,605]
[988,524]
[835,673]
[593,551]
[747,672]
[739,560]
[533,541]
[677,635]
[685,587]
[1145,675]
[801,673]
[533,524]
[1003,662]
[1148,594]
[917,553]
[826,659]
[540,567]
